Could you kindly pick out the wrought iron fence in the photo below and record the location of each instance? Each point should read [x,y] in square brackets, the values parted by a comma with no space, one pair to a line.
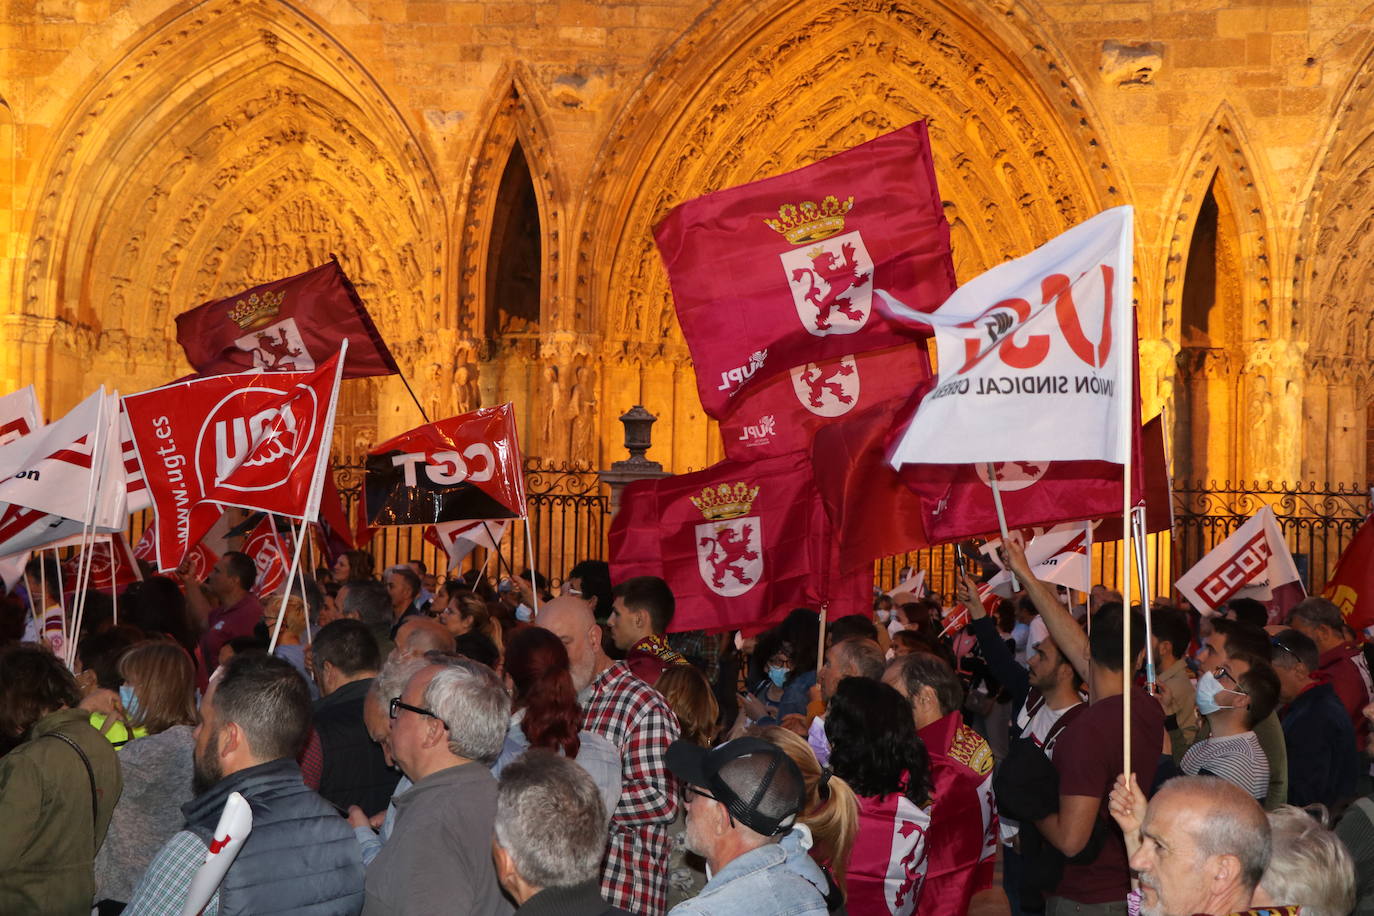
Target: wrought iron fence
[568,516]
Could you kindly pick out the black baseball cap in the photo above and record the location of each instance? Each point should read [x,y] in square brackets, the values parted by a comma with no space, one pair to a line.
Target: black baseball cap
[754,779]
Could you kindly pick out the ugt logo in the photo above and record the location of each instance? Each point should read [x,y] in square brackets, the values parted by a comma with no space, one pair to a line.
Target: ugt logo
[829,389]
[830,275]
[257,436]
[729,545]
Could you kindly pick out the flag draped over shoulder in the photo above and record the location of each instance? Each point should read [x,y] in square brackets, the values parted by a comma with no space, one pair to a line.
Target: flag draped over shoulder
[1254,562]
[738,543]
[254,440]
[1351,586]
[779,273]
[782,414]
[1035,356]
[464,467]
[289,325]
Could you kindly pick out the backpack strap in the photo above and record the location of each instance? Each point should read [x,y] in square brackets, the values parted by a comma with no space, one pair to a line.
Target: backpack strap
[90,775]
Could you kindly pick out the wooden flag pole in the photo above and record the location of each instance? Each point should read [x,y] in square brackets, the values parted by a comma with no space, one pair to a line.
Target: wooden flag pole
[1120,292]
[1142,565]
[1088,583]
[286,592]
[529,557]
[1001,519]
[820,645]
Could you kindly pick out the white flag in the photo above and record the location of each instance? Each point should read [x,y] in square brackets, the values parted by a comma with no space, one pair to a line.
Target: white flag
[1252,563]
[458,539]
[19,415]
[52,469]
[912,585]
[1058,555]
[1035,356]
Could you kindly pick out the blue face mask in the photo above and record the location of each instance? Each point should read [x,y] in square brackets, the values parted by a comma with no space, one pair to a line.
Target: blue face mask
[777,675]
[129,700]
[524,613]
[1208,687]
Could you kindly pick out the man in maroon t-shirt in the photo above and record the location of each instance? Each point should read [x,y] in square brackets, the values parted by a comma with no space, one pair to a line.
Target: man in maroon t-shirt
[1342,662]
[1088,756]
[237,611]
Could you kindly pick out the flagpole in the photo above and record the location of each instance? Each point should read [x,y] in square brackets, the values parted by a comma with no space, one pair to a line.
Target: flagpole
[114,579]
[500,560]
[529,558]
[483,572]
[820,645]
[88,533]
[286,593]
[1001,518]
[305,603]
[1142,563]
[1088,582]
[1120,292]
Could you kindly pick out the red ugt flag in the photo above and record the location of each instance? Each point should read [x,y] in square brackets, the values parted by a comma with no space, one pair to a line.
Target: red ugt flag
[778,273]
[465,467]
[254,440]
[734,542]
[289,325]
[266,548]
[782,414]
[112,565]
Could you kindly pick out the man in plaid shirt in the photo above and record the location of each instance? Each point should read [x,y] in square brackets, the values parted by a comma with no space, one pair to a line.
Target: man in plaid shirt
[636,718]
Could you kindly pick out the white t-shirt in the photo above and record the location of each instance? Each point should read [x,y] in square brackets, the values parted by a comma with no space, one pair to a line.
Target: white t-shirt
[1035,727]
[1235,758]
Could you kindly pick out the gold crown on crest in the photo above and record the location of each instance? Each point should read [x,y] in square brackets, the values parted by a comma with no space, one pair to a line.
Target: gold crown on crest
[726,500]
[811,222]
[257,310]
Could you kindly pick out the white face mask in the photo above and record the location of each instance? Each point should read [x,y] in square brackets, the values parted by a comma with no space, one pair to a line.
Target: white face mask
[884,616]
[524,613]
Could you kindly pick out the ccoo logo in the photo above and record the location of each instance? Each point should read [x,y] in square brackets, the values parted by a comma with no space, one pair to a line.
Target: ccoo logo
[255,438]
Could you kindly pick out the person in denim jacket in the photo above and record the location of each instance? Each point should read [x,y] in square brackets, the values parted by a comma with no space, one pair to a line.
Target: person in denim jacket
[743,797]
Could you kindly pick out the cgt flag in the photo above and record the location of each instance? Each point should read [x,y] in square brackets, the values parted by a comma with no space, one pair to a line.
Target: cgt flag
[290,325]
[1351,586]
[778,273]
[465,467]
[1035,356]
[782,414]
[734,542]
[255,440]
[1253,562]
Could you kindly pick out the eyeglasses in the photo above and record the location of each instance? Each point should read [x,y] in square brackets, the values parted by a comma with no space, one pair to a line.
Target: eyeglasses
[693,790]
[1221,672]
[418,710]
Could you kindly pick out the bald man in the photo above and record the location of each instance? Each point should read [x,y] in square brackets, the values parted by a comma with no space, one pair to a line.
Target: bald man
[636,719]
[1204,845]
[418,635]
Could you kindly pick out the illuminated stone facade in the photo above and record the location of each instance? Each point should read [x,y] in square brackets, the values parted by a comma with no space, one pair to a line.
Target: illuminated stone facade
[488,172]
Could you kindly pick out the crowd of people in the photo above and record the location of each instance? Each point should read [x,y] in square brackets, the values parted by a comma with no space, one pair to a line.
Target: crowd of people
[414,746]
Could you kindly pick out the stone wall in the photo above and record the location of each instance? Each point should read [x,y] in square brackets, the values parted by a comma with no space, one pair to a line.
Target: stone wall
[154,155]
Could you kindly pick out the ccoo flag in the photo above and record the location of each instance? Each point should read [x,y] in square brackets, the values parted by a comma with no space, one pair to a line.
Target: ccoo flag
[780,272]
[1254,562]
[255,440]
[290,325]
[1034,355]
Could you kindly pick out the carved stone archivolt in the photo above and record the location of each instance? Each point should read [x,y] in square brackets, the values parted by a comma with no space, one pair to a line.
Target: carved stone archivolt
[204,173]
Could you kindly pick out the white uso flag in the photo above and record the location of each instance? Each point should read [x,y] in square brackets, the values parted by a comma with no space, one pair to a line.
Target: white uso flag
[1251,563]
[1058,555]
[1034,356]
[460,538]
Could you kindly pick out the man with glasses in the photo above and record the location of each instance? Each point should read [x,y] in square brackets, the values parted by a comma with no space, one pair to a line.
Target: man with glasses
[1233,698]
[1322,762]
[447,728]
[1231,641]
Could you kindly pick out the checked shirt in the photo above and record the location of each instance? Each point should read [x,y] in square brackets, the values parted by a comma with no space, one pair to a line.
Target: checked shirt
[636,719]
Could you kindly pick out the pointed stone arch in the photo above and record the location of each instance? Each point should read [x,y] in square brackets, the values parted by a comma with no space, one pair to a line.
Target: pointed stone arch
[751,91]
[515,116]
[230,144]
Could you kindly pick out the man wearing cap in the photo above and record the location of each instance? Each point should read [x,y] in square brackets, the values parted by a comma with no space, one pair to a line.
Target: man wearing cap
[741,798]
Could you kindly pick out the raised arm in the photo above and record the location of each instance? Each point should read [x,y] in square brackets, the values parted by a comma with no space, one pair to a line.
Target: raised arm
[1063,629]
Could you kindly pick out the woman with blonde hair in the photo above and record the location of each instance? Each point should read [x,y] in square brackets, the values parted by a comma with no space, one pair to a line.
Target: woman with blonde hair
[158,695]
[832,810]
[463,612]
[291,638]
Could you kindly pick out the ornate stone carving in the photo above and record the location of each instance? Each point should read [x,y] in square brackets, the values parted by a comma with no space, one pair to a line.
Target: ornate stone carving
[1130,64]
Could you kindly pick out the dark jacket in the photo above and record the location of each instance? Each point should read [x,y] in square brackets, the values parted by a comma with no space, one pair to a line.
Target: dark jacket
[578,900]
[1322,763]
[301,857]
[355,770]
[48,843]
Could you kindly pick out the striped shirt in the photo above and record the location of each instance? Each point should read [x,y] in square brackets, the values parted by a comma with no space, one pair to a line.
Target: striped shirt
[1236,758]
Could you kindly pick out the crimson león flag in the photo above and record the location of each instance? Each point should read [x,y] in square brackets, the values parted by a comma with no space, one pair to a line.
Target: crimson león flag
[872,511]
[1351,586]
[290,325]
[254,440]
[464,467]
[783,413]
[780,272]
[737,543]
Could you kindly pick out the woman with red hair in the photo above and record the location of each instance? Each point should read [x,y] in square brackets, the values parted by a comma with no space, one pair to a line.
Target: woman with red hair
[545,713]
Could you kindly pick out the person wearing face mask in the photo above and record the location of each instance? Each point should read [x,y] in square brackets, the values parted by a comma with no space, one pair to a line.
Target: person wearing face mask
[158,701]
[1233,698]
